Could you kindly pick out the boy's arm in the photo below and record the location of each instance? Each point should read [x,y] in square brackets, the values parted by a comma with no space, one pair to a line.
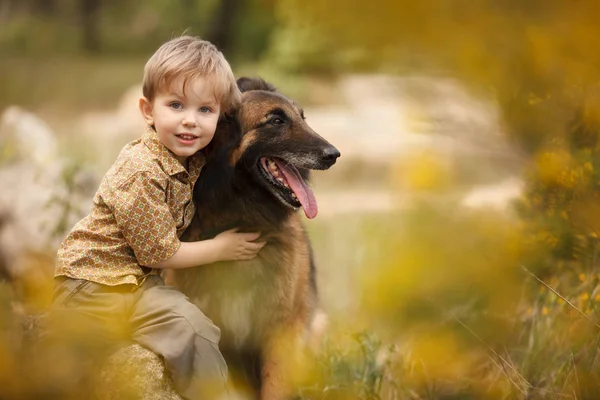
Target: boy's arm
[229,245]
[145,221]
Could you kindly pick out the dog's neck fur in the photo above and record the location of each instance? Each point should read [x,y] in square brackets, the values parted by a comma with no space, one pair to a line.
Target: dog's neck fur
[223,188]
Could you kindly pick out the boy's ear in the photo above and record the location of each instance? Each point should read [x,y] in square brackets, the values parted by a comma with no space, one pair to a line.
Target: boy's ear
[146,110]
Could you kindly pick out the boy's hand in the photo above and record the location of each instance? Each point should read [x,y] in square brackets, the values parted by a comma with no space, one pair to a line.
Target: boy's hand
[238,246]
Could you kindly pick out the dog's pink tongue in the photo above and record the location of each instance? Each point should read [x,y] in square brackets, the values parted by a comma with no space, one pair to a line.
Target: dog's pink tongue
[303,192]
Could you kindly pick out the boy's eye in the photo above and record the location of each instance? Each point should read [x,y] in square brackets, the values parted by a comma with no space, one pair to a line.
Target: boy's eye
[205,109]
[176,105]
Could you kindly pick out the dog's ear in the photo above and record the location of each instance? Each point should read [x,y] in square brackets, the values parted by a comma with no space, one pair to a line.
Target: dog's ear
[218,171]
[246,84]
[227,137]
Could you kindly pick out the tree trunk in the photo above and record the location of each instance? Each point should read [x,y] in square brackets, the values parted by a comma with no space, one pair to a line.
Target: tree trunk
[221,31]
[45,7]
[5,9]
[89,13]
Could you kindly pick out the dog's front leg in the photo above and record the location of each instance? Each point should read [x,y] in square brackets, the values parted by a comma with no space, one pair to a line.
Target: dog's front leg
[274,374]
[281,355]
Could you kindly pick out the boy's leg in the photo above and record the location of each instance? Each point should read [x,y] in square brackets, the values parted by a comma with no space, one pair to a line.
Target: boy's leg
[166,322]
[85,323]
[90,310]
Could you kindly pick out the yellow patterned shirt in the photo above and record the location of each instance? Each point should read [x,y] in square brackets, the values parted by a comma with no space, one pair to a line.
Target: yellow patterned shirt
[143,205]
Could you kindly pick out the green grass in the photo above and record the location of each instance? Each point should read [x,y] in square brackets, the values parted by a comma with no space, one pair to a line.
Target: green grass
[69,84]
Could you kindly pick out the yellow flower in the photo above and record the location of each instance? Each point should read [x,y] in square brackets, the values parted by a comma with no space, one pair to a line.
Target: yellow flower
[551,165]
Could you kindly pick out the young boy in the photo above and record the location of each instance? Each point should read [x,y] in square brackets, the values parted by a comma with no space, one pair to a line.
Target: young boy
[108,267]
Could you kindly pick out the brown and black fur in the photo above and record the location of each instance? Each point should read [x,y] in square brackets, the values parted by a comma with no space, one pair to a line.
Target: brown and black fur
[265,305]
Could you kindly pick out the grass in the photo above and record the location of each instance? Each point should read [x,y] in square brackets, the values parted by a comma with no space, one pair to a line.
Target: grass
[412,319]
[436,302]
[522,336]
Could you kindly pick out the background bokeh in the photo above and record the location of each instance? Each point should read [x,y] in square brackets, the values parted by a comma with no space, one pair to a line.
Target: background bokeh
[457,237]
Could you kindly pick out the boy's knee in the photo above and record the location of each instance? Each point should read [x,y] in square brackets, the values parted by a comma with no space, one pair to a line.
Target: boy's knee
[166,302]
[193,357]
[210,359]
[200,323]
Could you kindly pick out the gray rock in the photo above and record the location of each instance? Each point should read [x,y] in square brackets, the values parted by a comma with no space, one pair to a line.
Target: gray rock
[42,195]
[24,136]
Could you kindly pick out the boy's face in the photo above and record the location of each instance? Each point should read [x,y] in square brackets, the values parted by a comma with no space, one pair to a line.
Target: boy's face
[185,118]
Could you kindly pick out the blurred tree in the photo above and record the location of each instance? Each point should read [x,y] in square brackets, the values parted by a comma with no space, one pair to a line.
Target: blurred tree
[240,28]
[46,7]
[222,26]
[5,9]
[534,59]
[89,12]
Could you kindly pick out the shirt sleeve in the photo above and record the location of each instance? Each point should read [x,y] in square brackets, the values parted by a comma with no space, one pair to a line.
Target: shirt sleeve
[143,217]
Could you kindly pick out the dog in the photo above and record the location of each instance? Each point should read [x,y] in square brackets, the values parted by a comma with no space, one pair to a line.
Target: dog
[255,178]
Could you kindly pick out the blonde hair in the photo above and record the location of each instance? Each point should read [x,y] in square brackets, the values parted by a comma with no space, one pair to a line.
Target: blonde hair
[191,57]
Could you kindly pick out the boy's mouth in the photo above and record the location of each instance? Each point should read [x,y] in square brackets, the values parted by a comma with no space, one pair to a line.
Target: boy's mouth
[186,136]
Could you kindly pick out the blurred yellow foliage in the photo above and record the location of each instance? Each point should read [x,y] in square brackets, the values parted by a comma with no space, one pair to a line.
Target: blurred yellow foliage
[422,172]
[552,167]
[441,356]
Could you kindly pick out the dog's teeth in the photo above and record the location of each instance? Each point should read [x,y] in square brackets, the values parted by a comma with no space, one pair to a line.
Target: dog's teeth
[293,195]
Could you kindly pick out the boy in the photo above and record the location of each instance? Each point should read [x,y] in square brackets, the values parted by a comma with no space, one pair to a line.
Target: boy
[108,267]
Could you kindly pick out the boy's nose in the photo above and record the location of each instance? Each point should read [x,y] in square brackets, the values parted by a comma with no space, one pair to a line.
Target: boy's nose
[189,122]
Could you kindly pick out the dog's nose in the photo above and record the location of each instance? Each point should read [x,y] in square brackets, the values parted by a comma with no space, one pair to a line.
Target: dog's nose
[331,154]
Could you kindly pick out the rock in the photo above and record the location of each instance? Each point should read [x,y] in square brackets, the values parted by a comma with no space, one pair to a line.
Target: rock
[25,136]
[135,372]
[42,195]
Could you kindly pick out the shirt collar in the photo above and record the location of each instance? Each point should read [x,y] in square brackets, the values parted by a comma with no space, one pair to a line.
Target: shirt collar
[167,159]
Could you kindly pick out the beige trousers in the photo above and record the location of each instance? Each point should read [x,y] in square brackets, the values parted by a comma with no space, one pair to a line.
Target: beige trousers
[158,317]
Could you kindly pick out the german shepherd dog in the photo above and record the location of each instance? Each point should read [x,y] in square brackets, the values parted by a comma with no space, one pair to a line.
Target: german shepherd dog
[255,178]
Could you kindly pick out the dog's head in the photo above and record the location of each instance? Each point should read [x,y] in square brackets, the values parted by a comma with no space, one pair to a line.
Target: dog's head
[268,142]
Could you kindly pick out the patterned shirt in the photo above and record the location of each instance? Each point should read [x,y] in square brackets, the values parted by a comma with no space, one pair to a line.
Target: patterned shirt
[143,205]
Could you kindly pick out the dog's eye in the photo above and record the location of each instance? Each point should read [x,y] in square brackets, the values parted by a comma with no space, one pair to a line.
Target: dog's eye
[277,121]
